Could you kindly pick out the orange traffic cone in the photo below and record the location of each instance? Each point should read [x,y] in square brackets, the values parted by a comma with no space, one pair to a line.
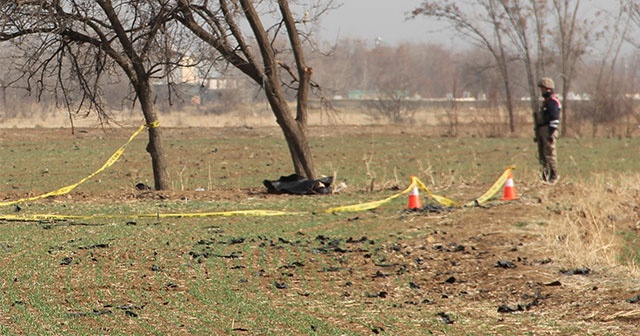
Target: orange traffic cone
[414,199]
[509,189]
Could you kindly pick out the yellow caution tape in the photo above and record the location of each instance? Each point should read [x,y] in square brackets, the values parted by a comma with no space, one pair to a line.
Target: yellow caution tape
[225,214]
[38,217]
[440,199]
[494,188]
[47,217]
[154,124]
[67,189]
[415,182]
[365,206]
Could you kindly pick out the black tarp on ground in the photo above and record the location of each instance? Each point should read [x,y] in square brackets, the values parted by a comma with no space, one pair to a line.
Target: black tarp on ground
[299,185]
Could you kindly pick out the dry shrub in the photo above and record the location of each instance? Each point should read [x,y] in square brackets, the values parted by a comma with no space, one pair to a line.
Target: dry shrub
[597,215]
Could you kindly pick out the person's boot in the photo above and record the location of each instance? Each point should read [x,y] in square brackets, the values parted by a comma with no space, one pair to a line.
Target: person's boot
[545,175]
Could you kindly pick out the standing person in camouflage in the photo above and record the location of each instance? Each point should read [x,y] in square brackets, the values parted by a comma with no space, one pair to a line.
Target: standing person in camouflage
[547,121]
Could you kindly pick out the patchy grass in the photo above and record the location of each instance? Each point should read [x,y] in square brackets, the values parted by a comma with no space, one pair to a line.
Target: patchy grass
[375,272]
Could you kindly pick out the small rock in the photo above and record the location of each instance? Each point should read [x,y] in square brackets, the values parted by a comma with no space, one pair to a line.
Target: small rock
[445,318]
[505,264]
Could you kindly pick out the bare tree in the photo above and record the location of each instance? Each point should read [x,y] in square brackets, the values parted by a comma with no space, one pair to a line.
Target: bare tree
[484,26]
[608,98]
[221,25]
[80,42]
[346,68]
[523,25]
[632,7]
[6,77]
[526,27]
[573,40]
[393,81]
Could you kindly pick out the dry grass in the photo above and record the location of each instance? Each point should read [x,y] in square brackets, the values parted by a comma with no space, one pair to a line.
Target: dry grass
[595,214]
[456,120]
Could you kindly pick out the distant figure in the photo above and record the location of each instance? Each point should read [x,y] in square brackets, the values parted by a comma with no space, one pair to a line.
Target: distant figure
[546,129]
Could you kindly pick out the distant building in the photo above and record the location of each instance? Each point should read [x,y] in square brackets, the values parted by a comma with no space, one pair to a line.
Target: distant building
[187,72]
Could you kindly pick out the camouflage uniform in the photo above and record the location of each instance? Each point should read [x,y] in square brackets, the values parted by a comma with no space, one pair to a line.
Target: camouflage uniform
[547,122]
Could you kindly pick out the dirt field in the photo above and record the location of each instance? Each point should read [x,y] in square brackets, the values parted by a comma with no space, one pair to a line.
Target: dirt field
[481,270]
[478,271]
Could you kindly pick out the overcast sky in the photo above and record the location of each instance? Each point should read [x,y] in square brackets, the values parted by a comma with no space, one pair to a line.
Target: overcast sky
[386,19]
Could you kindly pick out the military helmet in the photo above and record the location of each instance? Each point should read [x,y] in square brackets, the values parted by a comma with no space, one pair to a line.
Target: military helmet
[546,82]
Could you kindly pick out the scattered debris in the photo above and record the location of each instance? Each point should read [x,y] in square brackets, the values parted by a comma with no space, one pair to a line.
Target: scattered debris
[233,241]
[333,269]
[446,319]
[381,294]
[352,241]
[522,307]
[453,247]
[95,246]
[507,309]
[294,264]
[377,330]
[280,285]
[634,299]
[141,186]
[240,329]
[576,271]
[430,208]
[544,261]
[379,275]
[505,264]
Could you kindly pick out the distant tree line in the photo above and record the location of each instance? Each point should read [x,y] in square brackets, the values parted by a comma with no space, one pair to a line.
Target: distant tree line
[500,49]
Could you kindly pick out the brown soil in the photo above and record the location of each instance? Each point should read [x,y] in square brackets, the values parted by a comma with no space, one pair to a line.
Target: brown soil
[475,264]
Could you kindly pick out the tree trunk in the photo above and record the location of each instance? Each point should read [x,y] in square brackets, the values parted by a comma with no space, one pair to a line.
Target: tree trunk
[512,122]
[297,138]
[154,147]
[503,65]
[264,73]
[563,112]
[295,135]
[294,129]
[507,91]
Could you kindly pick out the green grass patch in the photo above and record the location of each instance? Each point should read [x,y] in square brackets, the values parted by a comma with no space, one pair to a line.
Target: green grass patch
[120,270]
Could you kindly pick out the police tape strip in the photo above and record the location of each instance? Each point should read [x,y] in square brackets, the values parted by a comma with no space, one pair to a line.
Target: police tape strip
[53,217]
[415,182]
[370,205]
[494,188]
[65,190]
[440,199]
